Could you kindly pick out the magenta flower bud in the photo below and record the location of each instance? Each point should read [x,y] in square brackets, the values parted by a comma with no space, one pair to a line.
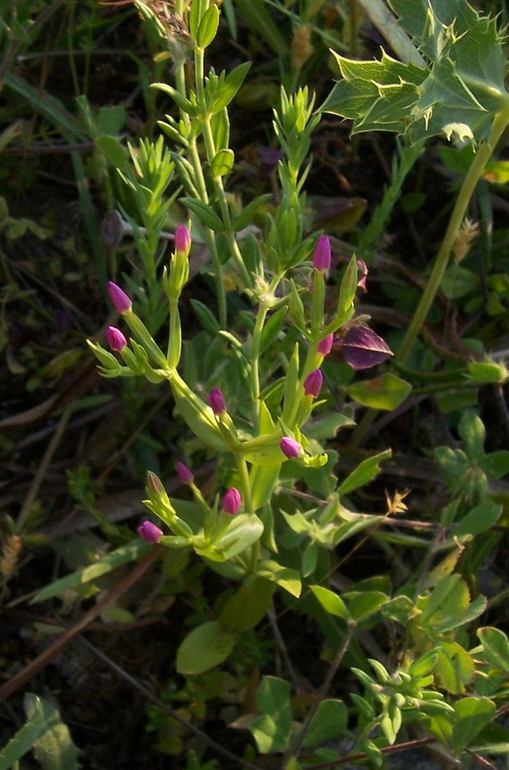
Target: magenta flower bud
[313,383]
[116,339]
[182,239]
[232,501]
[324,347]
[216,401]
[149,532]
[119,298]
[362,348]
[322,253]
[362,273]
[185,474]
[290,447]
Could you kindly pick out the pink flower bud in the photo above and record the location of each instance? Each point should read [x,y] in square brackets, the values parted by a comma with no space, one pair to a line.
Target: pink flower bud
[232,501]
[149,532]
[216,401]
[313,383]
[362,348]
[119,298]
[290,447]
[185,474]
[322,253]
[116,339]
[362,274]
[182,239]
[324,347]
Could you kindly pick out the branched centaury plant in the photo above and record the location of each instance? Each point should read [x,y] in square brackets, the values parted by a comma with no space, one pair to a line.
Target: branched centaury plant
[459,92]
[238,532]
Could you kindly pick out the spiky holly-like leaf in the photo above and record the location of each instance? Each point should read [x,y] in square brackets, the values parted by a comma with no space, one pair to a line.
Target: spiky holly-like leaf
[456,94]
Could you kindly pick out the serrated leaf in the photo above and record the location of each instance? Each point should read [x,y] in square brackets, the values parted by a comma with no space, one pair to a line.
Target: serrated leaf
[496,647]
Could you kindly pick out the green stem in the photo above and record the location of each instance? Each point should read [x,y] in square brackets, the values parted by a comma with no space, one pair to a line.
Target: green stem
[246,484]
[473,176]
[467,189]
[255,361]
[211,236]
[217,181]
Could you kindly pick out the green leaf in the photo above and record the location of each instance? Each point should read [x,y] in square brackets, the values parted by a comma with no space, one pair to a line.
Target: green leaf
[196,12]
[385,392]
[496,647]
[204,212]
[457,281]
[328,723]
[248,212]
[331,602]
[272,328]
[206,317]
[54,749]
[455,667]
[260,21]
[228,87]
[204,648]
[472,715]
[363,604]
[247,606]
[286,577]
[479,519]
[222,163]
[456,94]
[484,372]
[473,434]
[111,561]
[245,530]
[496,464]
[26,736]
[112,150]
[207,28]
[272,730]
[365,472]
[327,426]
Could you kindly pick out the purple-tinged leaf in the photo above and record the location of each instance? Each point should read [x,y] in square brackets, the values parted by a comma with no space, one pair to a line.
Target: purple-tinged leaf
[362,348]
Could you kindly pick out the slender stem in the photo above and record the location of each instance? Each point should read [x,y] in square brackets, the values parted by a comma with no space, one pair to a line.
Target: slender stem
[255,361]
[210,150]
[211,236]
[467,189]
[473,176]
[246,484]
[324,689]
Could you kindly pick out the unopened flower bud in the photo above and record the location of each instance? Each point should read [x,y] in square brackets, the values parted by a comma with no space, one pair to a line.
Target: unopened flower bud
[154,483]
[182,239]
[185,474]
[290,447]
[322,253]
[232,501]
[149,532]
[216,401]
[116,340]
[362,348]
[119,298]
[324,347]
[313,383]
[362,274]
